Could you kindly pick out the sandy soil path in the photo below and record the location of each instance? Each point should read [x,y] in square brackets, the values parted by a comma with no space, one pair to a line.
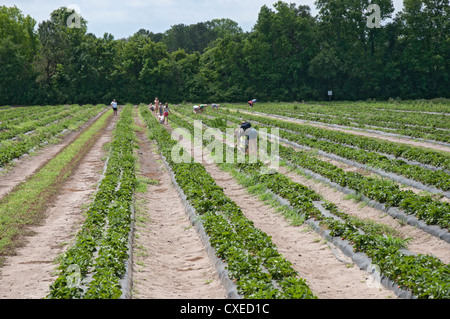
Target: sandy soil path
[26,166]
[29,274]
[328,277]
[421,243]
[170,260]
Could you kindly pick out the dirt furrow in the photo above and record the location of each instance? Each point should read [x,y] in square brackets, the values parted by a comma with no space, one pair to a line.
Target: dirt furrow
[421,243]
[330,275]
[26,166]
[170,260]
[29,274]
[312,257]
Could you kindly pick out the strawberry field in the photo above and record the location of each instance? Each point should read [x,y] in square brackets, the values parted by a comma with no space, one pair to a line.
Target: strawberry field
[97,206]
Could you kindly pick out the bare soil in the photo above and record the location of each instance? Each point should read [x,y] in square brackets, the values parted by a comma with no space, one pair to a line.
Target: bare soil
[21,169]
[170,260]
[421,242]
[29,274]
[329,275]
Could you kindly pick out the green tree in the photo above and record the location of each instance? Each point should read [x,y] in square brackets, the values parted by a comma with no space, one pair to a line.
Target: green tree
[278,53]
[60,45]
[224,69]
[197,37]
[356,47]
[224,27]
[18,48]
[191,38]
[289,55]
[424,48]
[136,56]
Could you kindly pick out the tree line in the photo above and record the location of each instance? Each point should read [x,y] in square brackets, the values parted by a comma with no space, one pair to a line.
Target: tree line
[289,55]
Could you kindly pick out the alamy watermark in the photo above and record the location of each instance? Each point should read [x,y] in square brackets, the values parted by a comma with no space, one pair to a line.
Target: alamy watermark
[74,280]
[374,20]
[74,20]
[374,281]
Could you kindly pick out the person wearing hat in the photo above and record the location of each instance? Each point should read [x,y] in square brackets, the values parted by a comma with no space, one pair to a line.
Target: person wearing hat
[247,136]
[114,107]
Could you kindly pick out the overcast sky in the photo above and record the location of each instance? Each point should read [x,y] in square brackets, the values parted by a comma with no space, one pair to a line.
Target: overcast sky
[123,18]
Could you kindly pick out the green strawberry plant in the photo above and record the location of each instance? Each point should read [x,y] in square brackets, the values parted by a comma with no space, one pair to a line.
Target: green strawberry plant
[424,275]
[242,246]
[101,247]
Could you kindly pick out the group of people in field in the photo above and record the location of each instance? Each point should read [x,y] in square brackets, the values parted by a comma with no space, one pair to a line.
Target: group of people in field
[202,107]
[246,134]
[161,110]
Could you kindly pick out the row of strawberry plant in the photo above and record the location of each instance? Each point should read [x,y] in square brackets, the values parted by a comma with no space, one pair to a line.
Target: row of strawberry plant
[424,275]
[370,114]
[421,155]
[436,178]
[25,205]
[17,113]
[381,123]
[253,261]
[10,150]
[432,212]
[411,106]
[26,126]
[32,114]
[426,126]
[424,207]
[101,247]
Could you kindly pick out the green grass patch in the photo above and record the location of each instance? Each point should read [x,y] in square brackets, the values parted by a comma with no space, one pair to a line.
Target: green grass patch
[142,182]
[26,204]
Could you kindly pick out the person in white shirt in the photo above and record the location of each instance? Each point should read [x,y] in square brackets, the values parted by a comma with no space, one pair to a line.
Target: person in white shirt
[247,138]
[114,106]
[196,109]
